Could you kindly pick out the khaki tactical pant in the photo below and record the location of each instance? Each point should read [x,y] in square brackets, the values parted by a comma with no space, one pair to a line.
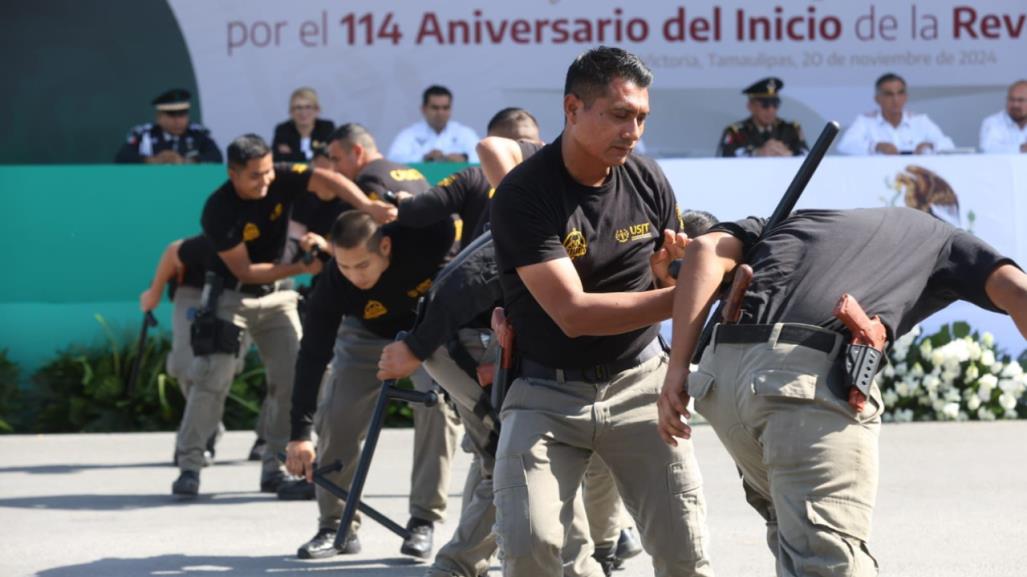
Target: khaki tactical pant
[550,432]
[809,463]
[469,552]
[180,358]
[603,506]
[271,321]
[344,416]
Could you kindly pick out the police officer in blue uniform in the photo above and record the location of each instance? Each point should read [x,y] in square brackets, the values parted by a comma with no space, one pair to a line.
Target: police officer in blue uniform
[171,139]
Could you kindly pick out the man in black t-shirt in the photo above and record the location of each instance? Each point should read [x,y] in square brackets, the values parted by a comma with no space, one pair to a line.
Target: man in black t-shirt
[583,232]
[368,293]
[245,222]
[774,387]
[181,268]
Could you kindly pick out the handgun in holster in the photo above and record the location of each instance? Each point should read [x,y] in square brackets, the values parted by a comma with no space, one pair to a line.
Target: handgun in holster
[864,354]
[506,360]
[210,334]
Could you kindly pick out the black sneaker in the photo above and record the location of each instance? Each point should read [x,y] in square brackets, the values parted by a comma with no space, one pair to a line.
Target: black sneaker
[323,545]
[420,542]
[187,484]
[257,450]
[296,490]
[628,545]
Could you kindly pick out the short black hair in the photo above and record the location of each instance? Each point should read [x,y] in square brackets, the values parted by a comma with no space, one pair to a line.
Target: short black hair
[352,133]
[355,228]
[507,119]
[435,90]
[697,222]
[591,73]
[245,148]
[888,77]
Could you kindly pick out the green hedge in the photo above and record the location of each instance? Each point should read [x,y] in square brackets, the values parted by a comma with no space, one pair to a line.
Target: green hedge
[84,389]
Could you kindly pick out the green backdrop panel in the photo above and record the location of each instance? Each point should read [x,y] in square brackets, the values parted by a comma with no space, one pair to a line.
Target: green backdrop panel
[84,240]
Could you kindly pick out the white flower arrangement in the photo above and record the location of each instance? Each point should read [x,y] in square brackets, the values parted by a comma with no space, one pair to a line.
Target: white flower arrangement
[952,375]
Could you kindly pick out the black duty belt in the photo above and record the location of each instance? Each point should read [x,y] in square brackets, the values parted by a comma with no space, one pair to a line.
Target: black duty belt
[819,339]
[257,290]
[594,374]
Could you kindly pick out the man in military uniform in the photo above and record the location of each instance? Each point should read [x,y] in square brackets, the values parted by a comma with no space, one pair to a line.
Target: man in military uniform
[774,386]
[583,232]
[763,133]
[245,222]
[172,139]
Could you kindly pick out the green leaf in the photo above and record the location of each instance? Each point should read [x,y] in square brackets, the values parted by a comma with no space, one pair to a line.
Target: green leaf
[960,329]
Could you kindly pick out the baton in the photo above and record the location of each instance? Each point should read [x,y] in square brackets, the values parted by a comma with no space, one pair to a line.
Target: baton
[148,321]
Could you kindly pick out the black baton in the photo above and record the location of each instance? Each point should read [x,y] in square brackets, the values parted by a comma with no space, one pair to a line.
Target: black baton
[133,375]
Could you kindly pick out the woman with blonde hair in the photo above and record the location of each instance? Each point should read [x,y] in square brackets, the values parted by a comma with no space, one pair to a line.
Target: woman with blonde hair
[299,138]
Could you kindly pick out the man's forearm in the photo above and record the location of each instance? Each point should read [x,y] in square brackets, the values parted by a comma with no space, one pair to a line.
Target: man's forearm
[167,268]
[699,279]
[605,314]
[327,185]
[266,272]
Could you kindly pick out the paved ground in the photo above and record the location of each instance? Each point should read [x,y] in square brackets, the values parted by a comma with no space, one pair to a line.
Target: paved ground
[953,502]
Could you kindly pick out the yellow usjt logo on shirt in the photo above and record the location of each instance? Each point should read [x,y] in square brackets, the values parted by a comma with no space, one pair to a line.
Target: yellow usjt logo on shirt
[374,309]
[422,288]
[300,168]
[405,174]
[276,212]
[633,232]
[575,244]
[250,232]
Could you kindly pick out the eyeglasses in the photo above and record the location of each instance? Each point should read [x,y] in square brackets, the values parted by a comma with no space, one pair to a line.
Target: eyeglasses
[303,107]
[768,102]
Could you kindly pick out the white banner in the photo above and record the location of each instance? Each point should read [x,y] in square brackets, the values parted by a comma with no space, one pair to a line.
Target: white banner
[986,195]
[370,61]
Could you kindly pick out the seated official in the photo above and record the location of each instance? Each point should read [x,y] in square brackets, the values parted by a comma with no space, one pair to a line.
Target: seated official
[301,137]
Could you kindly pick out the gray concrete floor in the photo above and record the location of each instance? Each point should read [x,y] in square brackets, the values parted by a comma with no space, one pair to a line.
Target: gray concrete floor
[953,502]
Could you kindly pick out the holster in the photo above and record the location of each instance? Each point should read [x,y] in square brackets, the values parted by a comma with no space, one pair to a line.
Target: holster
[861,364]
[208,333]
[504,379]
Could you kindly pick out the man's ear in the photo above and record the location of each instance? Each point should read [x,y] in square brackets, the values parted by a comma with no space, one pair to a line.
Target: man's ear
[385,246]
[571,105]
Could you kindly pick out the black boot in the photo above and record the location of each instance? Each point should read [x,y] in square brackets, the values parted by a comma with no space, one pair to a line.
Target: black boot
[420,542]
[187,485]
[323,545]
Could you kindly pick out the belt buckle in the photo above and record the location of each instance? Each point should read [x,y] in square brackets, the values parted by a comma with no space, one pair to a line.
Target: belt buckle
[596,373]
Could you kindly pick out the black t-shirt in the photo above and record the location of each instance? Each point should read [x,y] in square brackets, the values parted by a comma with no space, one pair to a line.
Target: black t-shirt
[376,178]
[465,193]
[899,263]
[381,176]
[262,223]
[316,214]
[385,309]
[540,213]
[196,255]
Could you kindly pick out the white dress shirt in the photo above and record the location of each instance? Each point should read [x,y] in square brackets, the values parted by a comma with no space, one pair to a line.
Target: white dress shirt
[999,134]
[413,142]
[870,128]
